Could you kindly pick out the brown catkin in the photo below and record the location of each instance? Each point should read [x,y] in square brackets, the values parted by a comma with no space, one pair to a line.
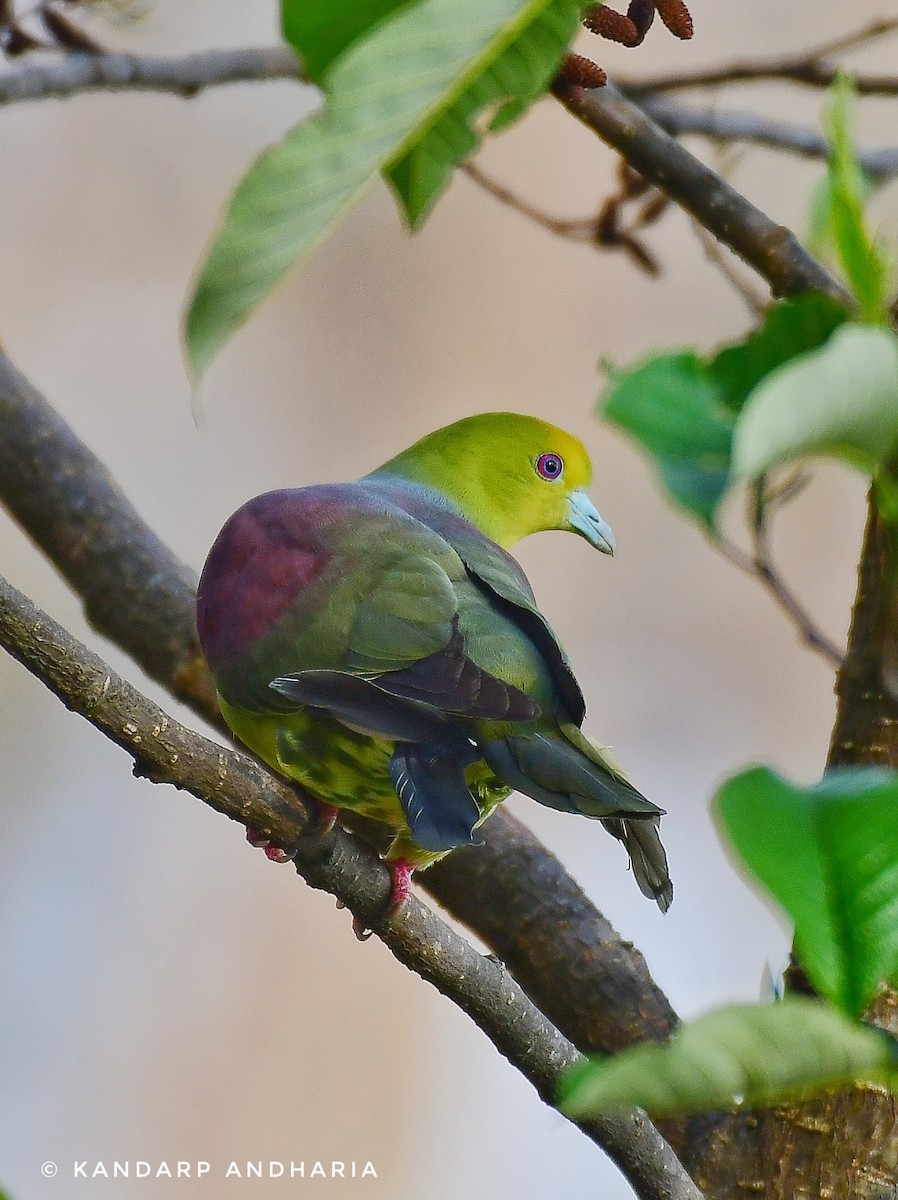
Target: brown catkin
[641,13]
[611,25]
[676,17]
[577,71]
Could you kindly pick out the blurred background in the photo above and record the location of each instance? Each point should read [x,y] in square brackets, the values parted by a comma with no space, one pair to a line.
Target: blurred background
[168,994]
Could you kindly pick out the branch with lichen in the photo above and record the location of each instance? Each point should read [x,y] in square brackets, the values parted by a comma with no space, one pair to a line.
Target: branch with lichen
[167,752]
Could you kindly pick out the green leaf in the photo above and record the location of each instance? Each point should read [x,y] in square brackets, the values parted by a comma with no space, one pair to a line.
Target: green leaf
[821,235]
[790,328]
[829,855]
[673,407]
[864,263]
[681,408]
[518,74]
[384,94]
[320,30]
[841,401]
[751,1054]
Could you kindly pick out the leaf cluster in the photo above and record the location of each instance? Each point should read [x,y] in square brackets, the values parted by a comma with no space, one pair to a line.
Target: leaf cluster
[815,379]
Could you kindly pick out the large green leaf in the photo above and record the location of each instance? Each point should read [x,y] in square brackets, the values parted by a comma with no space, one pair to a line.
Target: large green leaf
[320,30]
[863,261]
[681,408]
[517,75]
[752,1054]
[384,94]
[829,855]
[841,400]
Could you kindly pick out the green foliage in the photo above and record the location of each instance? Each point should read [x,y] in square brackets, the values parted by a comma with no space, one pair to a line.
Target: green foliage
[522,64]
[840,400]
[752,1054]
[863,261]
[790,328]
[829,855]
[821,235]
[682,408]
[402,94]
[320,30]
[672,405]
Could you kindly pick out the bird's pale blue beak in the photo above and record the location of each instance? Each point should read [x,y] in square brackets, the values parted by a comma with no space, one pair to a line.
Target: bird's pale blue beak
[586,520]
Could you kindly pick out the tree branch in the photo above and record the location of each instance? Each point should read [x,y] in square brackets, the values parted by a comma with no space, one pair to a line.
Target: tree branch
[771,249]
[808,68]
[760,566]
[182,76]
[578,229]
[729,126]
[166,751]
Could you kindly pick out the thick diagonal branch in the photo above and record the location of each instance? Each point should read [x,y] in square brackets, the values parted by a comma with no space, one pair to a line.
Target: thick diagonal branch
[168,752]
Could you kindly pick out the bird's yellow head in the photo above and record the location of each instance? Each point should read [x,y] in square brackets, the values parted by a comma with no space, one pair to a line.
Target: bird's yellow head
[509,475]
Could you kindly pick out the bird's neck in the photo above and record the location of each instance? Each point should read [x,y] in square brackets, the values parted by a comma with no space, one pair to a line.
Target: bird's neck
[462,497]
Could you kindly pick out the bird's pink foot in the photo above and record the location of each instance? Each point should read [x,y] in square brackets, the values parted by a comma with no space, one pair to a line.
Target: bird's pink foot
[401,872]
[327,817]
[272,852]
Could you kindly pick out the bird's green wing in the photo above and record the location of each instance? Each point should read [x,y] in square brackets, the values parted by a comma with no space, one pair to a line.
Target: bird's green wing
[405,613]
[382,620]
[500,575]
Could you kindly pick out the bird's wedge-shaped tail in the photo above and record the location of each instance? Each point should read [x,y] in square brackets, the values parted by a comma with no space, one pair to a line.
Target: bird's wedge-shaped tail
[568,772]
[642,840]
[564,770]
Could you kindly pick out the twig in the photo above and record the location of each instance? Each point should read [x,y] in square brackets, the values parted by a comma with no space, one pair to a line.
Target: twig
[577,229]
[730,126]
[771,249]
[759,566]
[808,68]
[756,302]
[605,230]
[183,76]
[165,751]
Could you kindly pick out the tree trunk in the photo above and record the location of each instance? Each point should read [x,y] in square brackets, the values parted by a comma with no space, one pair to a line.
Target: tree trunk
[841,1147]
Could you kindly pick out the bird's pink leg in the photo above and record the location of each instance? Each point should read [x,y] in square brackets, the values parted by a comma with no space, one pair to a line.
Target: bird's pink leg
[327,817]
[401,872]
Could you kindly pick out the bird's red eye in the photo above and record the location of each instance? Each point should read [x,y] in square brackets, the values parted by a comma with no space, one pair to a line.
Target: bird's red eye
[550,466]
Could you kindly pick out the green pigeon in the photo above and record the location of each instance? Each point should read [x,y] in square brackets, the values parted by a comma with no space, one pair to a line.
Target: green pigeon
[377,642]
